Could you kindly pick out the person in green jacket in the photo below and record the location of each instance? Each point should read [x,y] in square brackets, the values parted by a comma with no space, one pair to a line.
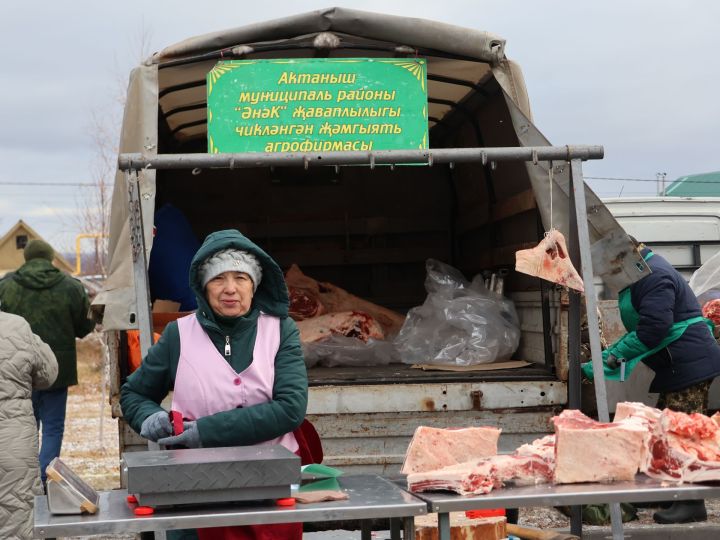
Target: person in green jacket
[57,307]
[235,366]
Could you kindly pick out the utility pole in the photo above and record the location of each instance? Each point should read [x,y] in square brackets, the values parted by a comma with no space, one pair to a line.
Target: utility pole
[660,177]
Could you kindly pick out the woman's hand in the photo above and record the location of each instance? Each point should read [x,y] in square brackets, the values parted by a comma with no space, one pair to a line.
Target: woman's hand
[189,438]
[156,426]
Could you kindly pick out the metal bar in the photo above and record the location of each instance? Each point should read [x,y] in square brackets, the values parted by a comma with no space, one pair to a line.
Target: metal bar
[139,256]
[574,336]
[443,526]
[384,157]
[578,188]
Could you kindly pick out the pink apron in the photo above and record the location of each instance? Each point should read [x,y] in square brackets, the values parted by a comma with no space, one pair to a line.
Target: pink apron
[205,384]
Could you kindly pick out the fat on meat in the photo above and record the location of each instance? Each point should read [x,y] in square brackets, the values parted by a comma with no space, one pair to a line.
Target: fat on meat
[684,448]
[435,448]
[348,323]
[335,299]
[643,416]
[549,260]
[591,451]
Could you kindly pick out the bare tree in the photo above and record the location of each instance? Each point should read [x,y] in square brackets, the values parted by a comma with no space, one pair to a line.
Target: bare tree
[93,216]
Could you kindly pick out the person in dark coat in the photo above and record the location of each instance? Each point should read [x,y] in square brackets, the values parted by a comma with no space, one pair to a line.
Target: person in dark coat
[56,306]
[666,331]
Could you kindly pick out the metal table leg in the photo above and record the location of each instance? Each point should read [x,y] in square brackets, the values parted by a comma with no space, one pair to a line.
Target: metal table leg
[366,529]
[394,529]
[409,528]
[443,526]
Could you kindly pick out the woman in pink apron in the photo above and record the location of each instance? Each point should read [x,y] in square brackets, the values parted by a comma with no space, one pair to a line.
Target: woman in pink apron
[235,365]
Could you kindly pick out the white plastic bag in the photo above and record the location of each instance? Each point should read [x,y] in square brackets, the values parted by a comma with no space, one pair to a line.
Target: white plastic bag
[705,282]
[460,323]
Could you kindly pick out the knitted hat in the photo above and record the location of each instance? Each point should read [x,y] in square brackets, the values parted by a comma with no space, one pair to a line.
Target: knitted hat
[230,260]
[38,249]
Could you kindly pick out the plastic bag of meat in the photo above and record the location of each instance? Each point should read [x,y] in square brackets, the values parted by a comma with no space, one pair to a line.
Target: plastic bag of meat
[460,323]
[549,260]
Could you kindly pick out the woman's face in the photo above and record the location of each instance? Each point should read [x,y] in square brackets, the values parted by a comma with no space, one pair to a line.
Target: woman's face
[230,294]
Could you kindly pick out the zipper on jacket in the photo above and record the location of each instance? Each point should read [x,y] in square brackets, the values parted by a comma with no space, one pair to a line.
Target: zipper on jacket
[227,346]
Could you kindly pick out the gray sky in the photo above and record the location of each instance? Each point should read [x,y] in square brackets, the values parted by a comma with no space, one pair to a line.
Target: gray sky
[639,77]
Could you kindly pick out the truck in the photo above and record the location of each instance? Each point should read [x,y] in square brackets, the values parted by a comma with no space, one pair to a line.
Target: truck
[489,185]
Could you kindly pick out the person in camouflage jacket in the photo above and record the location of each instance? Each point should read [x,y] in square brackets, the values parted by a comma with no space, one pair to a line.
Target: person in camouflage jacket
[56,306]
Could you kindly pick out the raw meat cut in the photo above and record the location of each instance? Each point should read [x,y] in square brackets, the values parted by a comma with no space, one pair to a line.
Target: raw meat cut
[435,448]
[711,310]
[685,448]
[543,448]
[517,470]
[302,305]
[469,478]
[643,416]
[349,323]
[549,260]
[334,299]
[590,451]
[477,477]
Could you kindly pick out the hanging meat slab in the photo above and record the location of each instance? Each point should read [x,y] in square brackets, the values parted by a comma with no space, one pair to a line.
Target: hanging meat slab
[549,260]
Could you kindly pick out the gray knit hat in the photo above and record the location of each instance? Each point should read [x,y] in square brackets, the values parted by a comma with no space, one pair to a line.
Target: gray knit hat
[230,260]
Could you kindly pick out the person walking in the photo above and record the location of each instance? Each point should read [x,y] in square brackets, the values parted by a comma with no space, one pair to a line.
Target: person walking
[56,306]
[236,367]
[26,363]
[667,332]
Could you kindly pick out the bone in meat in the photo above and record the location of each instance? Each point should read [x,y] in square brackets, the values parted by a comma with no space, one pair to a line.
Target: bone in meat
[348,323]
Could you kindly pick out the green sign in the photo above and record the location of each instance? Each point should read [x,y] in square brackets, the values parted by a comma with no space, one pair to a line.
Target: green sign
[317,105]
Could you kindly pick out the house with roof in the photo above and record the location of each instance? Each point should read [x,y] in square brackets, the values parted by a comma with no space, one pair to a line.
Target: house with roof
[13,243]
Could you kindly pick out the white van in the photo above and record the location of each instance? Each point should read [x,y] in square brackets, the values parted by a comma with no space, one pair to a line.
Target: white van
[684,230]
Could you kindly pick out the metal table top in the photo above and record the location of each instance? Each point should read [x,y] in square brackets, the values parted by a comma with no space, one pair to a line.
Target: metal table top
[642,489]
[370,497]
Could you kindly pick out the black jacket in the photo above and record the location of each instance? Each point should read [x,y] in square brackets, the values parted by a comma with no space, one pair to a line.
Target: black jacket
[661,299]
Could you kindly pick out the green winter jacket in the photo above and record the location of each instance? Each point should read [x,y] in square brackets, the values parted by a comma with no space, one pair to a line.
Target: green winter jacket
[141,395]
[55,305]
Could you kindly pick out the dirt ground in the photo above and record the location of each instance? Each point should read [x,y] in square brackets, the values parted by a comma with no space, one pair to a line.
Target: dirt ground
[90,445]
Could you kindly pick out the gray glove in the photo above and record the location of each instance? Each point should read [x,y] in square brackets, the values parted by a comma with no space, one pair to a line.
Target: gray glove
[156,426]
[189,438]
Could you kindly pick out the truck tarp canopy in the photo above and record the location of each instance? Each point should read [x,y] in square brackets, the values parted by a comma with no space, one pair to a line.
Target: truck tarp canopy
[166,100]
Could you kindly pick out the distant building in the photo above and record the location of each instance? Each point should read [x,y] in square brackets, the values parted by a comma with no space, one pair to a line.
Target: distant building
[695,185]
[13,243]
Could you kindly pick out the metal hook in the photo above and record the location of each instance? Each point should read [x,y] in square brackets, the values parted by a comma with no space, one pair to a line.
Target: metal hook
[337,169]
[535,156]
[451,165]
[430,159]
[232,163]
[372,162]
[483,158]
[392,166]
[196,171]
[493,165]
[306,162]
